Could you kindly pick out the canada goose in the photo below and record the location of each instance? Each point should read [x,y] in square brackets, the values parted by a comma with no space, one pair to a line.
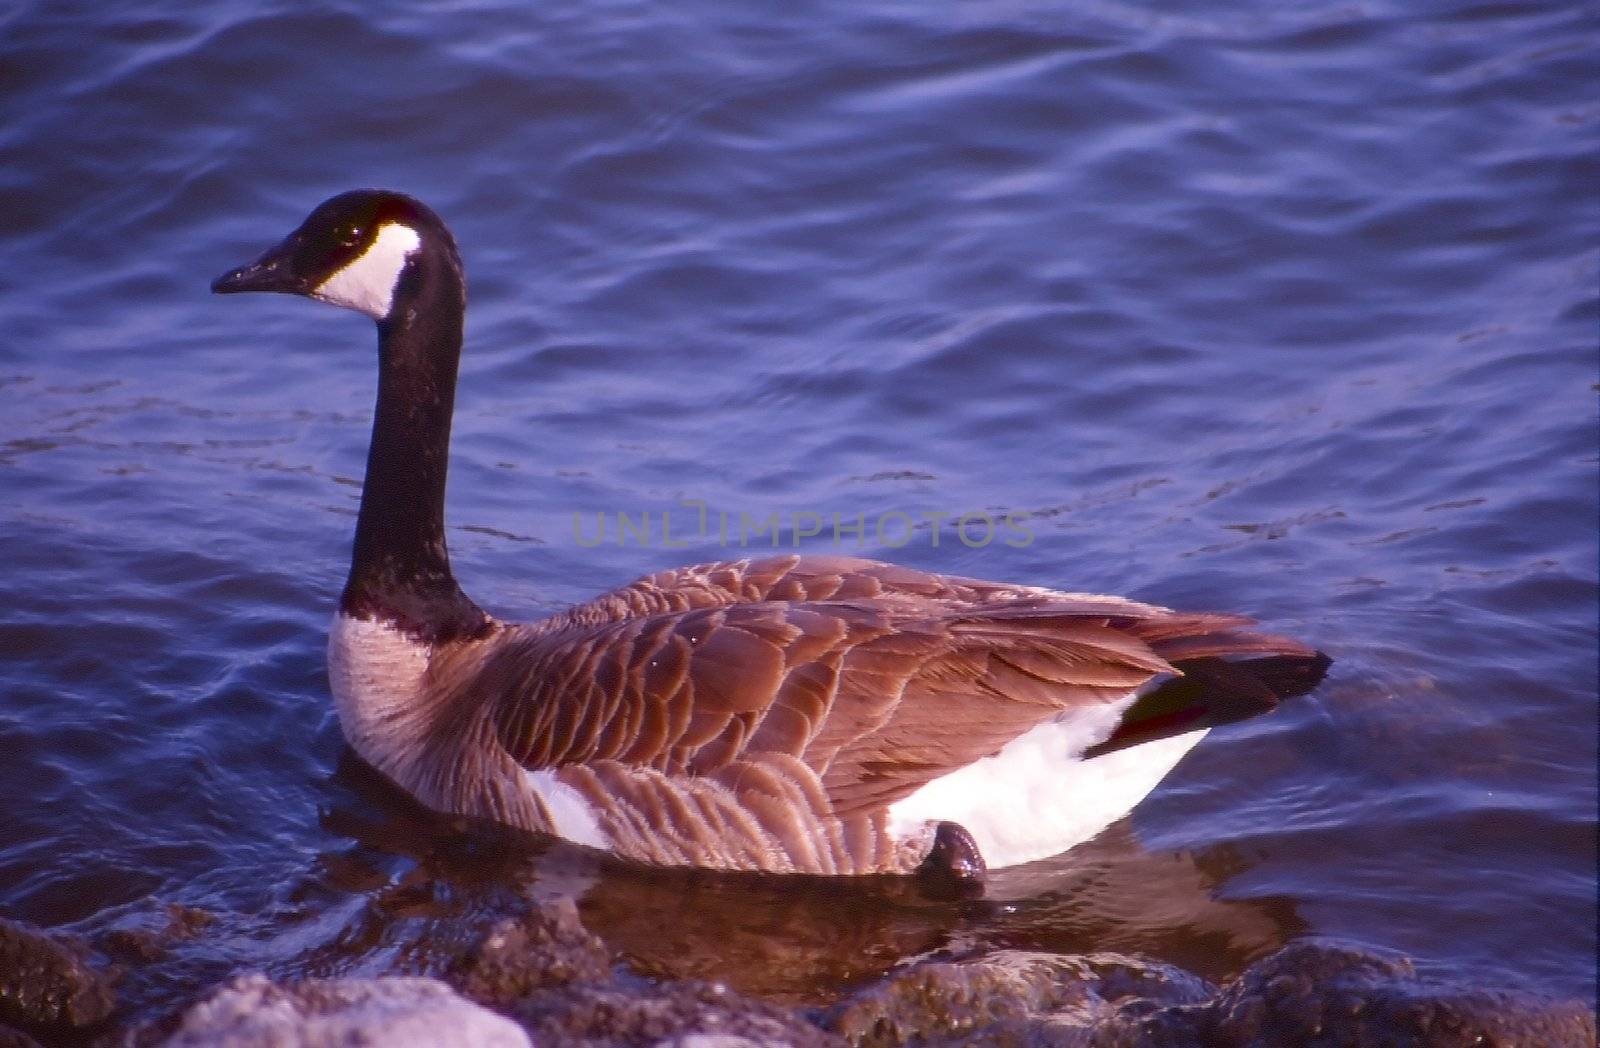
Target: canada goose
[827,715]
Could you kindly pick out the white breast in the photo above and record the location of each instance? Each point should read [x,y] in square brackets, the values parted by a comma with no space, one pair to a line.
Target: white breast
[1038,797]
[376,674]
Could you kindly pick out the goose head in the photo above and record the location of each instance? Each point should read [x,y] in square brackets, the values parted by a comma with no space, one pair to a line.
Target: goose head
[354,250]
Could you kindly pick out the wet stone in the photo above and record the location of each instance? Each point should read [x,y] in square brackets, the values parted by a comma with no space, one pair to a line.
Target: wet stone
[542,976]
[150,938]
[395,1011]
[1312,994]
[641,1013]
[1324,994]
[557,979]
[546,947]
[47,982]
[1010,997]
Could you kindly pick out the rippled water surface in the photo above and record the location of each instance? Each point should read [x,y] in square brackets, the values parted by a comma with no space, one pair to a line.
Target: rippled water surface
[1285,311]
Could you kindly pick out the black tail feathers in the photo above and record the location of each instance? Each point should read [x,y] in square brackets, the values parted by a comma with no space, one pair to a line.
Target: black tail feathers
[1214,691]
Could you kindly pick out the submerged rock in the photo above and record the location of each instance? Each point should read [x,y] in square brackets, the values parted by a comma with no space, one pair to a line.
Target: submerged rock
[686,1014]
[1317,993]
[1005,998]
[149,938]
[546,947]
[395,1011]
[47,982]
[556,978]
[1309,994]
[541,977]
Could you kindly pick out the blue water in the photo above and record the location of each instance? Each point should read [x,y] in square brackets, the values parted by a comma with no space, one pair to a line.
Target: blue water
[1285,311]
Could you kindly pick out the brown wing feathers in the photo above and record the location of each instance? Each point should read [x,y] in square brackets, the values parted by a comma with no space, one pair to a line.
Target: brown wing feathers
[876,678]
[672,687]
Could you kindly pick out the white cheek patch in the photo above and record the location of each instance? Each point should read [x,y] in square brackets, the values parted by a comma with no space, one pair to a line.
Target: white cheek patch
[366,284]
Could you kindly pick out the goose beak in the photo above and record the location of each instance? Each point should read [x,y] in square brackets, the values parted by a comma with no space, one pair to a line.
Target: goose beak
[273,271]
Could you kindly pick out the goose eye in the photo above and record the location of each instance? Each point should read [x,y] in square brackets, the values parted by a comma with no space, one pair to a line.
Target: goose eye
[349,236]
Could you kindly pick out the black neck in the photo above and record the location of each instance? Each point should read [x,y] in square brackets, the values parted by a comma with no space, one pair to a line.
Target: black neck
[400,570]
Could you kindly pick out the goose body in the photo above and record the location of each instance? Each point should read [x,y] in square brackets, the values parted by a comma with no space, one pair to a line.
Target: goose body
[828,715]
